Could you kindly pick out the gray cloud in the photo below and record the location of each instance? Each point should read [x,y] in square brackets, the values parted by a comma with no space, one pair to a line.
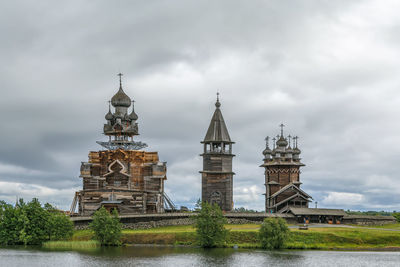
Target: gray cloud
[327,69]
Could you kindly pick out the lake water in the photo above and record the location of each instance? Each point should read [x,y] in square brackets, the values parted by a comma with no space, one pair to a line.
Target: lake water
[182,256]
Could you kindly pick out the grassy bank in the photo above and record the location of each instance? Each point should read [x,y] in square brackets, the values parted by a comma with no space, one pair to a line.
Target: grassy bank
[343,238]
[247,236]
[89,244]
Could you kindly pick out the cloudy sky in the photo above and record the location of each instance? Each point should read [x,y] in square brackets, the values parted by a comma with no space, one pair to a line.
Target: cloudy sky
[329,70]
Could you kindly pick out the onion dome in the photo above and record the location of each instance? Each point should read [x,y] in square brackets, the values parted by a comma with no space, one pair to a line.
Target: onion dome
[120,99]
[282,142]
[267,151]
[133,116]
[296,150]
[109,115]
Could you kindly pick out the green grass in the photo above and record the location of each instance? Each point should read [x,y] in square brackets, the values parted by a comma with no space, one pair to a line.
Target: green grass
[395,226]
[164,229]
[342,238]
[246,236]
[90,244]
[243,227]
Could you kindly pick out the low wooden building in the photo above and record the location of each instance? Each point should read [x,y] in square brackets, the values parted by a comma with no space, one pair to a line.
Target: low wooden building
[124,176]
[306,215]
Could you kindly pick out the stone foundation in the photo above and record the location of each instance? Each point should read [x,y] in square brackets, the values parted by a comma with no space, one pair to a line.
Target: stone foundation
[147,221]
[368,220]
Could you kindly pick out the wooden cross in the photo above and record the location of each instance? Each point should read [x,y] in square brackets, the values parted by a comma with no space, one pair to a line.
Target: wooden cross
[120,78]
[282,125]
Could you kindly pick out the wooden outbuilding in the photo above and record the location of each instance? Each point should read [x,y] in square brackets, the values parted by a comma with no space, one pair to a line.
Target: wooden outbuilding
[309,215]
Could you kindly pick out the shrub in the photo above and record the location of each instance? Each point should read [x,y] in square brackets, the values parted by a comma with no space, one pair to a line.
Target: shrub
[210,230]
[106,227]
[273,233]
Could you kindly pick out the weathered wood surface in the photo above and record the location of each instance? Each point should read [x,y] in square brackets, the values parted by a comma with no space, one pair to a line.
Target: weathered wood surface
[130,180]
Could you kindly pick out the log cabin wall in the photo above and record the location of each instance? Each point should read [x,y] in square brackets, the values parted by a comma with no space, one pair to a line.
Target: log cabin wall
[132,181]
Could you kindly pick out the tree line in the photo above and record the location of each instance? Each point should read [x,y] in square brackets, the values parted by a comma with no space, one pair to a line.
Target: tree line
[211,231]
[395,214]
[32,224]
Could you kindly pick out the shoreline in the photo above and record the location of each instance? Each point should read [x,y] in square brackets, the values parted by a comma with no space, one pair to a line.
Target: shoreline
[321,237]
[246,236]
[232,247]
[382,249]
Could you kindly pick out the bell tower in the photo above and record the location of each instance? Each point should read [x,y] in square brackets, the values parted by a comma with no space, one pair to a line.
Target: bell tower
[217,175]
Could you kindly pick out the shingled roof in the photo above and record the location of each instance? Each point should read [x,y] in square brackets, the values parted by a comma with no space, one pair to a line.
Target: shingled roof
[217,131]
[307,211]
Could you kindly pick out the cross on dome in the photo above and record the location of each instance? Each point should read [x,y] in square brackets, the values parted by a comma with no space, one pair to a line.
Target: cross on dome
[282,125]
[217,104]
[120,79]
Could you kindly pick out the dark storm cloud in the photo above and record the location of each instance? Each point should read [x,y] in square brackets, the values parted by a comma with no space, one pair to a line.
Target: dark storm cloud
[327,69]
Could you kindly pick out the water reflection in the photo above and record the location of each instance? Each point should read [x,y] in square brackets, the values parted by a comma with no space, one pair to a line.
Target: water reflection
[184,256]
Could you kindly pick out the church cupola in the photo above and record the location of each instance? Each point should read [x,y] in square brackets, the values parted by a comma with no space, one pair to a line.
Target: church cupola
[109,116]
[296,150]
[267,151]
[120,99]
[121,127]
[133,116]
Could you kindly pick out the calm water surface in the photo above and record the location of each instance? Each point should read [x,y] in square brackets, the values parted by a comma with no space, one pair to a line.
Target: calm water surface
[169,256]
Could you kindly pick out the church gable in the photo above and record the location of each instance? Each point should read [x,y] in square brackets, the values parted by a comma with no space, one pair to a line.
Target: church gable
[117,167]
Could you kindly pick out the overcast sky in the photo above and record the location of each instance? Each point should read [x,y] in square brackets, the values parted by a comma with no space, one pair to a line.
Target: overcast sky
[329,70]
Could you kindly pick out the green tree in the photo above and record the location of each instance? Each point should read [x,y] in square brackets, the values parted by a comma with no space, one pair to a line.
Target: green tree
[107,227]
[197,206]
[37,223]
[3,205]
[32,224]
[273,233]
[59,226]
[210,230]
[244,210]
[397,216]
[12,225]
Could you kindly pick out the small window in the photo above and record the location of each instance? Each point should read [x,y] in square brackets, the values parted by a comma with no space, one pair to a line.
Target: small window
[117,183]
